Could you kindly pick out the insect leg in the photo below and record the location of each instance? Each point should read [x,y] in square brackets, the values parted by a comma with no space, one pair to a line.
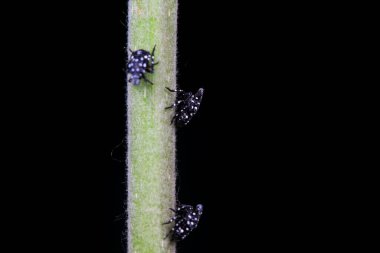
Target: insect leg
[173,105]
[170,89]
[173,119]
[143,76]
[154,48]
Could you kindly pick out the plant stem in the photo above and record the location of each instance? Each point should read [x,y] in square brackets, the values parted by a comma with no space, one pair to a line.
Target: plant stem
[151,138]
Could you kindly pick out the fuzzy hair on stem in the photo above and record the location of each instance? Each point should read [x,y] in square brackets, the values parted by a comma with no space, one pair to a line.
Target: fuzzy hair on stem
[151,139]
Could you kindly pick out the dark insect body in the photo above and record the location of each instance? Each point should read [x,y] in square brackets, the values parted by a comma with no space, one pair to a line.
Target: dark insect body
[186,106]
[185,220]
[139,63]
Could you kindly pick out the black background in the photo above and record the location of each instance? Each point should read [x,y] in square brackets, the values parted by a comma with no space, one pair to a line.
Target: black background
[251,156]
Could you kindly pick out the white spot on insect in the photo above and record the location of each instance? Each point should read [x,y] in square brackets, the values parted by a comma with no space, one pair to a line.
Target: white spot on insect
[196,108]
[145,56]
[144,65]
[140,64]
[189,216]
[137,69]
[192,223]
[141,58]
[133,70]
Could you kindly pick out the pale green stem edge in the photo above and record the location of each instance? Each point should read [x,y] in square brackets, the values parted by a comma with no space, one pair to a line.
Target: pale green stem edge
[151,171]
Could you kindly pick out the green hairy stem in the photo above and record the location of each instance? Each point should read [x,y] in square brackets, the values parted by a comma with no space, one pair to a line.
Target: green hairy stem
[151,138]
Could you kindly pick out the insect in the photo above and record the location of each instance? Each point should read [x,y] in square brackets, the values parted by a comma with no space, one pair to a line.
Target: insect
[141,61]
[186,106]
[185,220]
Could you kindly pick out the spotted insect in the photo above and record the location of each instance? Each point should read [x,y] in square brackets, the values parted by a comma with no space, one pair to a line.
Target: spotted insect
[141,61]
[185,220]
[186,106]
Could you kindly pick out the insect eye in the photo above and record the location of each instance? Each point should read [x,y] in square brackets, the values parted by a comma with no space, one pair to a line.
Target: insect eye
[200,208]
